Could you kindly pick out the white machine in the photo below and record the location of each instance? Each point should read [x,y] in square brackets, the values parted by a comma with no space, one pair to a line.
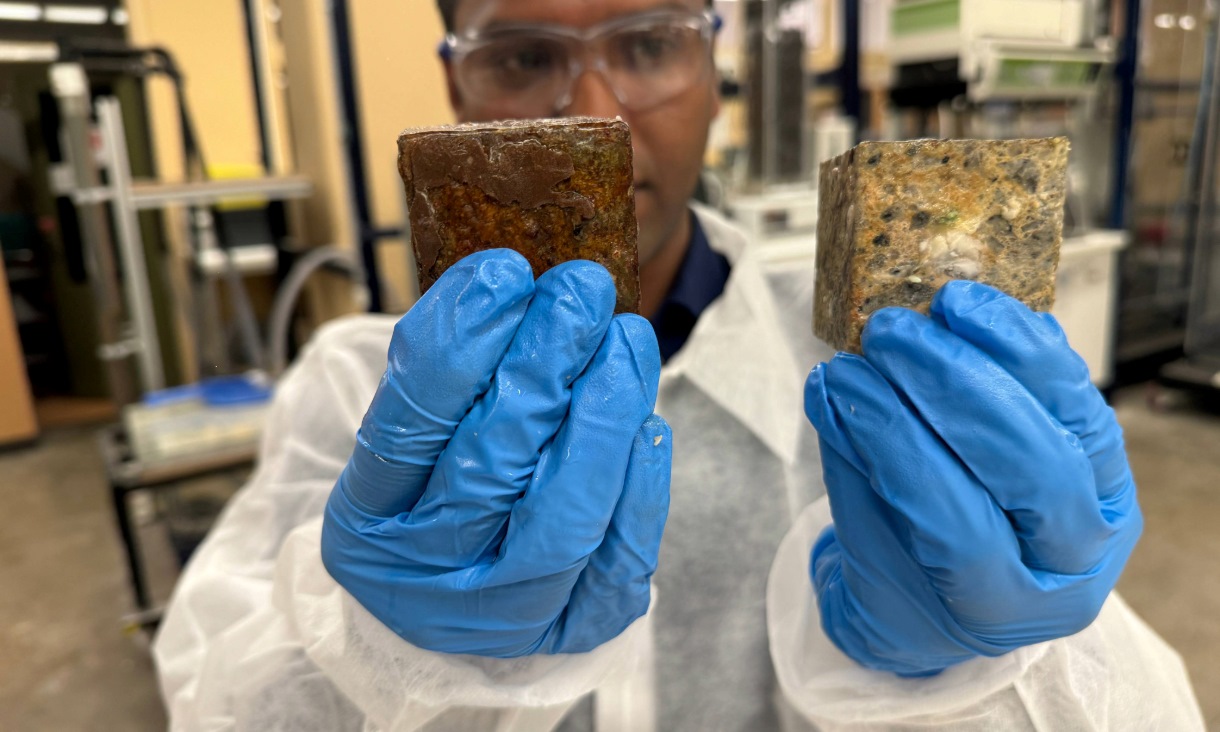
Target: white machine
[1006,49]
[1086,297]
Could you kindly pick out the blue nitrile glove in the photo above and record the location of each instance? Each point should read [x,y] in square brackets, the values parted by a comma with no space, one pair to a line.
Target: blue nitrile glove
[509,484]
[978,482]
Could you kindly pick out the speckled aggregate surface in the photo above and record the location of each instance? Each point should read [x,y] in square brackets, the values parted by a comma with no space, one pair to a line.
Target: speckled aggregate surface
[897,220]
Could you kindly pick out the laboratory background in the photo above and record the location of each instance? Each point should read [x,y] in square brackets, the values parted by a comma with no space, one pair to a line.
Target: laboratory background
[189,190]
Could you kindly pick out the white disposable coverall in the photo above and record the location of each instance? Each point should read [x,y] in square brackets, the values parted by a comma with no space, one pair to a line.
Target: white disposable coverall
[259,637]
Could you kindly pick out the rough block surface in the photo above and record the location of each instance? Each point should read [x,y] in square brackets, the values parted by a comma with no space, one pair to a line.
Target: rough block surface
[553,190]
[897,220]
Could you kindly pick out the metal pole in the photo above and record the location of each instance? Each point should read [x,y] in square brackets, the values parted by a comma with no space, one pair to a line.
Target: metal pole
[770,91]
[254,40]
[850,69]
[1125,72]
[71,90]
[131,246]
[345,66]
[1200,244]
[264,86]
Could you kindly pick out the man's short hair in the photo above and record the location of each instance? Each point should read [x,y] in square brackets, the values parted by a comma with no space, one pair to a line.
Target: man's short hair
[448,9]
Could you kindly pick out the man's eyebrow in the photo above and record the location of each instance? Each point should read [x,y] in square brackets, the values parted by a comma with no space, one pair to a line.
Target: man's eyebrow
[499,25]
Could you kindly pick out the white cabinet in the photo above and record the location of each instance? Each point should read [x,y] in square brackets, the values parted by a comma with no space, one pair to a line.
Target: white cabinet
[1085,298]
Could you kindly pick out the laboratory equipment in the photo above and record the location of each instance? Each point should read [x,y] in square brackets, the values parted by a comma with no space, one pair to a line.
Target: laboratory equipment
[1200,365]
[127,316]
[1002,49]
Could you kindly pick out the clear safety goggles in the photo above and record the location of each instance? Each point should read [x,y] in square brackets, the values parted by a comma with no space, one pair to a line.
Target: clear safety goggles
[528,71]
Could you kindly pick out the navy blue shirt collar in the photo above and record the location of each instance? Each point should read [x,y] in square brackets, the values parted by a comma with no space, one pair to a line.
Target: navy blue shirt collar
[700,279]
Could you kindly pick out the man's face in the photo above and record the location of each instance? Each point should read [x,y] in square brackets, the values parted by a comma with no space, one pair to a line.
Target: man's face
[669,139]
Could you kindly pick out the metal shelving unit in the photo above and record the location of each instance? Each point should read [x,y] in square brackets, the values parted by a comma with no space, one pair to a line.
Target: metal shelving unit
[147,195]
[1053,51]
[1157,186]
[128,297]
[1201,208]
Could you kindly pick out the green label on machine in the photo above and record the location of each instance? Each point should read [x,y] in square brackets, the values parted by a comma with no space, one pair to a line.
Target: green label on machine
[922,16]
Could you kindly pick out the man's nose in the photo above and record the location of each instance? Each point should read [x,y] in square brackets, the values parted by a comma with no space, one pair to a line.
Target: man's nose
[592,96]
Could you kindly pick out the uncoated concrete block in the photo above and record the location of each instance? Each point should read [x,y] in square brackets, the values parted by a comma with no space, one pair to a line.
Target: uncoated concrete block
[897,220]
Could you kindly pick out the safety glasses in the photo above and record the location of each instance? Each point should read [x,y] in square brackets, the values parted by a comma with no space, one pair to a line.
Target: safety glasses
[528,71]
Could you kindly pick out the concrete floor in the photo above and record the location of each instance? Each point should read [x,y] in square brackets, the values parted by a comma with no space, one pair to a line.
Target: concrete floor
[67,664]
[1173,578]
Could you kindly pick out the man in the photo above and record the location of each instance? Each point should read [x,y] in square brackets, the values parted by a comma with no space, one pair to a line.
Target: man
[482,554]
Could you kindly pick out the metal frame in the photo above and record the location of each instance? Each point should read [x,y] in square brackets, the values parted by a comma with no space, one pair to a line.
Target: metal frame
[128,475]
[1201,364]
[131,330]
[1125,72]
[849,73]
[127,199]
[1202,322]
[71,90]
[147,196]
[131,246]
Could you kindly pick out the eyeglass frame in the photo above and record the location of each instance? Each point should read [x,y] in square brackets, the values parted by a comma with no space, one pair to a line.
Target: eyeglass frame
[451,48]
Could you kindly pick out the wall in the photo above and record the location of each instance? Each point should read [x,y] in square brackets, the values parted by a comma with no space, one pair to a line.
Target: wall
[208,42]
[401,85]
[17,421]
[208,39]
[316,139]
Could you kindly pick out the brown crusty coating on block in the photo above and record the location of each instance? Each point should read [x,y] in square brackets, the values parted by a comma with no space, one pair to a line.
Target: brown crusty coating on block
[897,220]
[553,190]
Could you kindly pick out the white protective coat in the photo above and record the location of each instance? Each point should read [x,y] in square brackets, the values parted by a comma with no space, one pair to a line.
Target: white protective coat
[259,637]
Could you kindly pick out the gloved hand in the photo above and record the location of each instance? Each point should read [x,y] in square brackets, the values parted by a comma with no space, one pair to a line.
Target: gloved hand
[978,482]
[508,488]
